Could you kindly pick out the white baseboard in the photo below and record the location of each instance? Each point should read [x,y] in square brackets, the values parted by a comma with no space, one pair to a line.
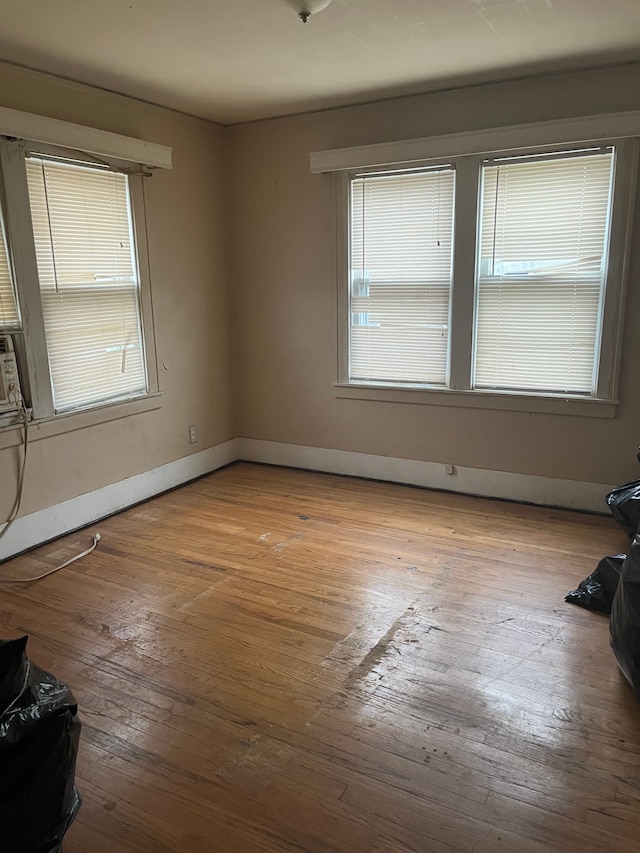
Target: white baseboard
[38,527]
[548,491]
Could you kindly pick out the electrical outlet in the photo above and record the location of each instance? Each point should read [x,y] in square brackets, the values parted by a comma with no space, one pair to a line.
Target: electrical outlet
[450,469]
[193,435]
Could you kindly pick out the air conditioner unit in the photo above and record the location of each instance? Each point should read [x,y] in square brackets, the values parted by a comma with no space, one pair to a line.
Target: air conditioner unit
[10,394]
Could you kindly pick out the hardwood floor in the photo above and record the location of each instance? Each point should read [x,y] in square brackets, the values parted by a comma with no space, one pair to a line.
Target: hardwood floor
[269,661]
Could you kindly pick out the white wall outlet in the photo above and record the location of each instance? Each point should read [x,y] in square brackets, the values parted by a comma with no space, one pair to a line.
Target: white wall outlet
[450,469]
[193,435]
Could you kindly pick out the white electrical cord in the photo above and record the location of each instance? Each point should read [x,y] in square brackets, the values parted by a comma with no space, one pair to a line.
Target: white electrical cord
[95,541]
[24,419]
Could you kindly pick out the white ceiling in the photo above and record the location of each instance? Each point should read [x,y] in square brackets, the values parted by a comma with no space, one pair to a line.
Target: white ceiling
[238,60]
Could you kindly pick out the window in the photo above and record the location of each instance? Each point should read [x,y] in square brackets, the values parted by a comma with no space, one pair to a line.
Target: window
[401,270]
[541,271]
[9,318]
[498,274]
[70,284]
[88,278]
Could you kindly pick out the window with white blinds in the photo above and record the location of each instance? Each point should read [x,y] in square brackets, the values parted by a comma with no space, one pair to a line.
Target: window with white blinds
[541,267]
[9,316]
[496,273]
[89,286]
[401,249]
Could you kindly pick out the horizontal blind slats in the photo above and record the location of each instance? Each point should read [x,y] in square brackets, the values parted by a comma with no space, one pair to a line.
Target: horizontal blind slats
[401,269]
[9,317]
[88,283]
[543,231]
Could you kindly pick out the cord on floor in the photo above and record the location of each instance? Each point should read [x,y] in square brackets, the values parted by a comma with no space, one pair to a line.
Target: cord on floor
[96,539]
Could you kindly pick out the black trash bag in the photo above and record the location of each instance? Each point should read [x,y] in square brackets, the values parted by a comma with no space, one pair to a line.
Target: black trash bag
[624,503]
[625,618]
[598,590]
[39,734]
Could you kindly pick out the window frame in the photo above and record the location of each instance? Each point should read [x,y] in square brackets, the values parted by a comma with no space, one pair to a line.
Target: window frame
[459,391]
[30,339]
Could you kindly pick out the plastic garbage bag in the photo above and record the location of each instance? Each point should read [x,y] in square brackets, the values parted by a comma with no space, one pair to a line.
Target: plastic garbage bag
[39,734]
[624,503]
[625,618]
[598,590]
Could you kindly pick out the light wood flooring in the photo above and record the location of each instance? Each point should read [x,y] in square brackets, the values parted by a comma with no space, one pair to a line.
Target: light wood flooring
[270,661]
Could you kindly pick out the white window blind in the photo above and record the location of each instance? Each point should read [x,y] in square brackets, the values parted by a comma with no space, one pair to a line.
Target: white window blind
[541,271]
[400,276]
[88,281]
[9,317]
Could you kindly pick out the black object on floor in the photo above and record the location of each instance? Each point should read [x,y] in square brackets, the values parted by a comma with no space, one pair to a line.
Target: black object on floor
[625,618]
[624,503]
[598,590]
[39,734]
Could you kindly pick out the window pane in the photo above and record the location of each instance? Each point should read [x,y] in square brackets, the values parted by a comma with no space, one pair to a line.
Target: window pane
[400,276]
[541,271]
[88,281]
[9,317]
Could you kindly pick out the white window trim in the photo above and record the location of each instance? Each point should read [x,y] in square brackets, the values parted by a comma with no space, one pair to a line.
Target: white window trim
[11,435]
[520,137]
[345,162]
[472,399]
[90,140]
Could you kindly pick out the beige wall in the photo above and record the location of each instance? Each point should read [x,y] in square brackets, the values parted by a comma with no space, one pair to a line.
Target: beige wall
[284,291]
[187,251]
[242,246]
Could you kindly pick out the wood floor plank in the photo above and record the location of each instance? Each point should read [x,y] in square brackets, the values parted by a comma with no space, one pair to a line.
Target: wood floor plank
[275,661]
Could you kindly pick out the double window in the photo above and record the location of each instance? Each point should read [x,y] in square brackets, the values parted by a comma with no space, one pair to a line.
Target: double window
[496,274]
[70,287]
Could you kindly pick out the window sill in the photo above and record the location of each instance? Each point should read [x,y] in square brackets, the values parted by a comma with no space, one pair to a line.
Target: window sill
[12,435]
[502,401]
